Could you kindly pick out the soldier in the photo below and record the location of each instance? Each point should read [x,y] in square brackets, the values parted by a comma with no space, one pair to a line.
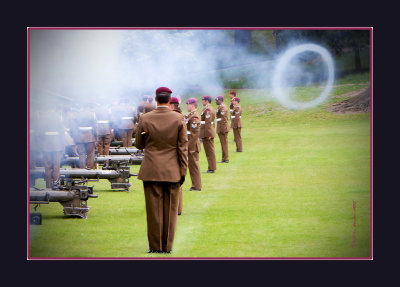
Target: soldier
[236,124]
[232,94]
[124,121]
[34,140]
[207,133]
[149,105]
[222,127]
[174,105]
[140,109]
[162,133]
[68,120]
[84,134]
[104,132]
[193,130]
[52,144]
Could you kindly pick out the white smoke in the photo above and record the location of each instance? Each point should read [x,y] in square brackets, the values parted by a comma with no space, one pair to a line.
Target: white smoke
[100,66]
[103,65]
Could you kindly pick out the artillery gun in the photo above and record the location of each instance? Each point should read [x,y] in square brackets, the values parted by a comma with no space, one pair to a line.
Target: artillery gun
[69,194]
[118,177]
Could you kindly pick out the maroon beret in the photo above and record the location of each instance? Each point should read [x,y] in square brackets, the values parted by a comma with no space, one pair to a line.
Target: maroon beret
[232,93]
[236,99]
[163,90]
[191,101]
[219,98]
[174,100]
[206,98]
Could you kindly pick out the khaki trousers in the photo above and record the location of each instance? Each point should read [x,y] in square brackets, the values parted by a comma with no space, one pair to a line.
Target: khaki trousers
[104,144]
[86,154]
[162,213]
[223,138]
[194,170]
[180,204]
[210,153]
[238,138]
[52,162]
[126,137]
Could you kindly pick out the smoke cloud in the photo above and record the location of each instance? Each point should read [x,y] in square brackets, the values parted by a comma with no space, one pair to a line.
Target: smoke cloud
[103,65]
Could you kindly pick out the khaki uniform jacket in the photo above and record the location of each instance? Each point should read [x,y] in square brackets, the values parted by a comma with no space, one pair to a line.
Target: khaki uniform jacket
[162,133]
[222,119]
[236,116]
[231,106]
[207,124]
[124,117]
[104,122]
[84,130]
[148,107]
[193,129]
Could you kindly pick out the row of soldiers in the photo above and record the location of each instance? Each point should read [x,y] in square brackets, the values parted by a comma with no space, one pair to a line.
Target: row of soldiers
[58,130]
[204,128]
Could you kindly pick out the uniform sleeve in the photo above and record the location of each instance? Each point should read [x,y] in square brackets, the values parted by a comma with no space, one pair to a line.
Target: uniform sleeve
[140,139]
[182,148]
[194,129]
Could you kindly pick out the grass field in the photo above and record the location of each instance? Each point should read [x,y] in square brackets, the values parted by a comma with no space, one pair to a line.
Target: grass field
[301,188]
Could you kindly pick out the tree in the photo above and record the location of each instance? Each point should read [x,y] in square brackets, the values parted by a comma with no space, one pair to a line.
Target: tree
[336,40]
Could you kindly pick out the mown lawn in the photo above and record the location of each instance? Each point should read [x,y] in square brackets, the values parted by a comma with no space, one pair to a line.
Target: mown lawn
[289,194]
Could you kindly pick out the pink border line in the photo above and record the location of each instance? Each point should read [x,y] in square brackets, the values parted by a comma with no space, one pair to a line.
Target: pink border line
[204,28]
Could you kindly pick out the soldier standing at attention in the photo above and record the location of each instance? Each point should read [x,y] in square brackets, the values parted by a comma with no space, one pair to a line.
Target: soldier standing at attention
[124,120]
[174,105]
[222,127]
[162,133]
[149,105]
[85,136]
[207,133]
[232,94]
[104,133]
[236,124]
[68,117]
[51,133]
[140,108]
[193,130]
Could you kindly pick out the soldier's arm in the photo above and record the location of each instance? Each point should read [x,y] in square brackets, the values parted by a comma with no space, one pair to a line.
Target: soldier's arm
[194,129]
[140,139]
[182,148]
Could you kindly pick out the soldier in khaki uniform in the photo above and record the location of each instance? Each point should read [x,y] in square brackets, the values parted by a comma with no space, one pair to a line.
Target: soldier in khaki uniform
[236,124]
[174,105]
[144,107]
[162,133]
[51,133]
[207,133]
[68,117]
[193,130]
[124,121]
[222,127]
[149,105]
[85,137]
[104,133]
[232,94]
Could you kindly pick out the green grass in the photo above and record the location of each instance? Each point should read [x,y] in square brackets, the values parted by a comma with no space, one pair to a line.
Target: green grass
[289,194]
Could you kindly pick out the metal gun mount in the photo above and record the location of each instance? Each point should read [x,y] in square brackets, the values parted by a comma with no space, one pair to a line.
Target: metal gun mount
[119,178]
[108,162]
[72,197]
[120,143]
[126,151]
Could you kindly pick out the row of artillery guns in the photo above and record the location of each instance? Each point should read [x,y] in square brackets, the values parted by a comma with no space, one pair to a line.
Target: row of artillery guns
[72,191]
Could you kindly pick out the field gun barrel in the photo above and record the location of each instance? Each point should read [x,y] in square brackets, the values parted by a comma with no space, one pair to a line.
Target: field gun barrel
[72,198]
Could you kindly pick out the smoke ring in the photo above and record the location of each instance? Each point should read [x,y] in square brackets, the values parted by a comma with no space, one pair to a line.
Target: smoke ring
[277,84]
